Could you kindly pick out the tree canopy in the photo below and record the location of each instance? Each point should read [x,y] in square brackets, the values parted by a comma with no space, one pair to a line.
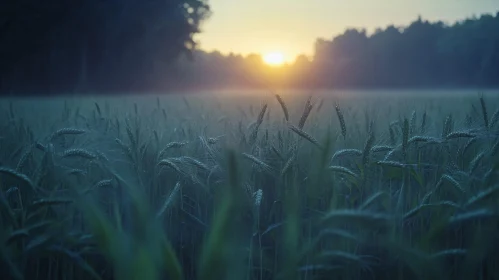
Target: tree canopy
[421,54]
[59,45]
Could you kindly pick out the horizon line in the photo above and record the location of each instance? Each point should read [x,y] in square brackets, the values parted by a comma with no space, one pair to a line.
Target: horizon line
[369,32]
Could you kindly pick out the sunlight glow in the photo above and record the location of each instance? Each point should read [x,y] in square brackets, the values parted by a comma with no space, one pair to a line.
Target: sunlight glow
[274,58]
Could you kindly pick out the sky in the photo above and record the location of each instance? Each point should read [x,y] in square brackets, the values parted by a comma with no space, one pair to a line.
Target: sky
[292,26]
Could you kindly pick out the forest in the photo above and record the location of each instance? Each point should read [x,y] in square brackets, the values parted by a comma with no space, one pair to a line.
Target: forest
[423,54]
[135,46]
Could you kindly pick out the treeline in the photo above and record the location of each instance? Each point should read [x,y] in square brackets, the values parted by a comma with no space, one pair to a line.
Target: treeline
[423,54]
[132,45]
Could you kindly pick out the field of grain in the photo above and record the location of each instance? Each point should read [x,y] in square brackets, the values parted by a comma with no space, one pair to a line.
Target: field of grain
[266,186]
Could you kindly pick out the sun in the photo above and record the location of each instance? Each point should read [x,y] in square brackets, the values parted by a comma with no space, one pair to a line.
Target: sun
[274,58]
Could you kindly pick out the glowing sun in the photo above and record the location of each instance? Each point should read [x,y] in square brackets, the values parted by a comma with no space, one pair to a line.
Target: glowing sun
[274,58]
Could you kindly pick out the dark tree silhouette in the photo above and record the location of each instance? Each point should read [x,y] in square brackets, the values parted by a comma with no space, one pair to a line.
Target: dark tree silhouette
[423,54]
[113,45]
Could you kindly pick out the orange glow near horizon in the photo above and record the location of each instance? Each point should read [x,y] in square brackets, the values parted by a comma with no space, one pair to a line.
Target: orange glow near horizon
[274,59]
[292,27]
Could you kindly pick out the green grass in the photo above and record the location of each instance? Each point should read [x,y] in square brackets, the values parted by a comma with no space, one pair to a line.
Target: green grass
[212,187]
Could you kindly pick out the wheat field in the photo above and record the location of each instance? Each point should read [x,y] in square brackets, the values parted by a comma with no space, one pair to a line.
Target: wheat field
[266,186]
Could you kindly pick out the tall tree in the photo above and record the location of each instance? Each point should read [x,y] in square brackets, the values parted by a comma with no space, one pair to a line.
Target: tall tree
[59,45]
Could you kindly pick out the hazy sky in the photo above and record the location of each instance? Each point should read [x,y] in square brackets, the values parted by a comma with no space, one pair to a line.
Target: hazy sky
[292,26]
